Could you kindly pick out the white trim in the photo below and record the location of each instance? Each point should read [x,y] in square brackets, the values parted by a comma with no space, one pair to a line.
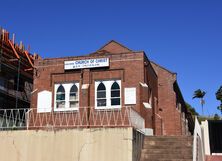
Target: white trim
[147,105]
[150,97]
[107,107]
[206,138]
[67,87]
[198,147]
[66,109]
[144,85]
[34,91]
[216,153]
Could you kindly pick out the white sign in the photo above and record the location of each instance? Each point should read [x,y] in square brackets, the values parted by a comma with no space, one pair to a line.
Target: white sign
[44,101]
[130,96]
[86,63]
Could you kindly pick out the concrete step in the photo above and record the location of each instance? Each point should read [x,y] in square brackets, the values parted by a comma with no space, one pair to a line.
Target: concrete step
[184,151]
[169,138]
[167,160]
[164,156]
[166,145]
[166,142]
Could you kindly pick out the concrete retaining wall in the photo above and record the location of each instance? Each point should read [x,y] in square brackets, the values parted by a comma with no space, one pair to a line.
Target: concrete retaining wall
[101,144]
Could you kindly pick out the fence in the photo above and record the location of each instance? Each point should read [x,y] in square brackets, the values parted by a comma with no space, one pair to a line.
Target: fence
[87,117]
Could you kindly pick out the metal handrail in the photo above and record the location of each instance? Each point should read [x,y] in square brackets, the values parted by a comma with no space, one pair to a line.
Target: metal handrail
[84,117]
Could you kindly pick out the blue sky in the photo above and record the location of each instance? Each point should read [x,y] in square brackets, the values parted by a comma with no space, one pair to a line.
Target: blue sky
[185,36]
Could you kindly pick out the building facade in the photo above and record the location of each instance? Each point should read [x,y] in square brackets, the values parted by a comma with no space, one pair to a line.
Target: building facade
[112,86]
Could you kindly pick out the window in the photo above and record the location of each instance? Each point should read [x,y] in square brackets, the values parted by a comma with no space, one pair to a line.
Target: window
[60,97]
[108,94]
[115,94]
[73,97]
[101,95]
[66,96]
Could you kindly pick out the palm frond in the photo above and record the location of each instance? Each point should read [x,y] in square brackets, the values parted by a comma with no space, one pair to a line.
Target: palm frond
[199,94]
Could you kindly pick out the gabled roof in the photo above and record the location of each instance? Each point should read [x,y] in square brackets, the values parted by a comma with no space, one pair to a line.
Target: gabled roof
[112,47]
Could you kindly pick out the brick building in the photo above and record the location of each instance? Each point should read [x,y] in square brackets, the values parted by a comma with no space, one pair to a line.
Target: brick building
[110,81]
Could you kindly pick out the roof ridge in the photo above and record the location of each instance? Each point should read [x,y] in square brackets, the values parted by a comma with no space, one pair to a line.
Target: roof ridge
[114,42]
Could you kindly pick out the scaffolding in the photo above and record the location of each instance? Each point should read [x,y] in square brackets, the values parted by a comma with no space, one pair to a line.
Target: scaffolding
[16,72]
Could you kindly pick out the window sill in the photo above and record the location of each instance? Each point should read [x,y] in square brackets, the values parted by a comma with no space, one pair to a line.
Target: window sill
[66,109]
[108,107]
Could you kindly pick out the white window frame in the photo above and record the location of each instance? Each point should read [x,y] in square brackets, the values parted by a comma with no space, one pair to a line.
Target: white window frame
[67,87]
[108,84]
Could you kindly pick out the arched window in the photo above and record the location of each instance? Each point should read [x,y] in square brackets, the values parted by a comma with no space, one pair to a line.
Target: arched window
[74,97]
[115,94]
[60,97]
[101,95]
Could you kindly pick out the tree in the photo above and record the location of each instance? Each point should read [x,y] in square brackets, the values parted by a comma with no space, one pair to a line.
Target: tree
[192,109]
[219,98]
[200,94]
[216,117]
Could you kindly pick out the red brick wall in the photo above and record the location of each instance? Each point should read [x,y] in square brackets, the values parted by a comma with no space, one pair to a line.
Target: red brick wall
[213,158]
[167,103]
[151,79]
